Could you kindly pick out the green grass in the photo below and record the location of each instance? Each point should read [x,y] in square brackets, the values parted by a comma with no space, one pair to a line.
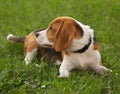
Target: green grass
[20,17]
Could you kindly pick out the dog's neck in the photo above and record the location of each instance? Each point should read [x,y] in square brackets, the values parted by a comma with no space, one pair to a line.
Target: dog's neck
[82,50]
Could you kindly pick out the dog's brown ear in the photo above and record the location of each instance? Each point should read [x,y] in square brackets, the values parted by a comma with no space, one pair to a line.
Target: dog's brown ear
[65,34]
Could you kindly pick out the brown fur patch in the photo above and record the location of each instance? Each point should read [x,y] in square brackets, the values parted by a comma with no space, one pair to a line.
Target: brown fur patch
[30,43]
[96,46]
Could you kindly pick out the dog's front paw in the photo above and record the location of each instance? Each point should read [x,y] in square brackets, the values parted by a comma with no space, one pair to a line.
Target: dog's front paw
[62,76]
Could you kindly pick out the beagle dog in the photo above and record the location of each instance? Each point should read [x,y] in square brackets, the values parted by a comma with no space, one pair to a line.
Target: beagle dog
[31,48]
[76,41]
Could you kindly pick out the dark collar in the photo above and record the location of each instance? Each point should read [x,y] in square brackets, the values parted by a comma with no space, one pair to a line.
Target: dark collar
[84,48]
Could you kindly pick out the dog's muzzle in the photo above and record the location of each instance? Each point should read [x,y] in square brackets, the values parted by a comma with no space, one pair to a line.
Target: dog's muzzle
[37,32]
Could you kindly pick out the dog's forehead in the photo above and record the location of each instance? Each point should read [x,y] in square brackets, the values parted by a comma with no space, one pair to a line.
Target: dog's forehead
[56,22]
[61,19]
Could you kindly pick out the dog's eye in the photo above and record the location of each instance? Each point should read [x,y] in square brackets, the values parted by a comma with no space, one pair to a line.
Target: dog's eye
[51,27]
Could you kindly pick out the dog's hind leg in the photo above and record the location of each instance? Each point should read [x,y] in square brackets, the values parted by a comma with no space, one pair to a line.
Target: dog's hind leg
[30,55]
[100,69]
[30,48]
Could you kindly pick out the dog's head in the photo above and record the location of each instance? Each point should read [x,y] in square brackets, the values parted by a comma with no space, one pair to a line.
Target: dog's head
[60,33]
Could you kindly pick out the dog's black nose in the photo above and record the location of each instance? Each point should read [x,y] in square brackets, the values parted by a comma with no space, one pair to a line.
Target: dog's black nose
[36,34]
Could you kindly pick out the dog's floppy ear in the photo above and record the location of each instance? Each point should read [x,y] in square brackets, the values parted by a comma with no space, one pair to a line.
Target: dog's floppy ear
[65,34]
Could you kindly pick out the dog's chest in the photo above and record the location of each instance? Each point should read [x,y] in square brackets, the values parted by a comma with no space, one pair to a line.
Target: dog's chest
[83,60]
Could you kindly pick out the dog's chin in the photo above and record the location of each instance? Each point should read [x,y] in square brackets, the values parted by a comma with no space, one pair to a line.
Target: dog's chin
[46,46]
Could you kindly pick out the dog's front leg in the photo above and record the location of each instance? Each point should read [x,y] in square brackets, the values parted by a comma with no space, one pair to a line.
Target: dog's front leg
[65,68]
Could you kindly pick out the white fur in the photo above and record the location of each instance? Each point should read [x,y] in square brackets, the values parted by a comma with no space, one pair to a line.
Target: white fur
[30,55]
[8,37]
[87,60]
[90,59]
[42,39]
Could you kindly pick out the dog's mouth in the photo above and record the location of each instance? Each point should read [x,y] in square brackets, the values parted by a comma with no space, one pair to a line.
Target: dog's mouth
[47,46]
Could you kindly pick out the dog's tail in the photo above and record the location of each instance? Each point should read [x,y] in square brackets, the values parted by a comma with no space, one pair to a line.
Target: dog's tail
[16,39]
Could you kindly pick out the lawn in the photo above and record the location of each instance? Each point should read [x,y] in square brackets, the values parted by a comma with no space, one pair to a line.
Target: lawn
[20,17]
